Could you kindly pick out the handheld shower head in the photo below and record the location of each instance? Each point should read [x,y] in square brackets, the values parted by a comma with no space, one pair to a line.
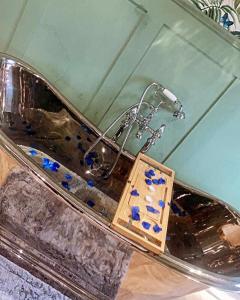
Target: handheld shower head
[179,114]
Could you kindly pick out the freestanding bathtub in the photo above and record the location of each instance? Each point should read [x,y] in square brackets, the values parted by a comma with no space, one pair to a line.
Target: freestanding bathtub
[48,137]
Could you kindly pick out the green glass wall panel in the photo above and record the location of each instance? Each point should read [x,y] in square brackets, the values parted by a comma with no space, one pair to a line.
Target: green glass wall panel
[74,43]
[209,158]
[186,71]
[10,13]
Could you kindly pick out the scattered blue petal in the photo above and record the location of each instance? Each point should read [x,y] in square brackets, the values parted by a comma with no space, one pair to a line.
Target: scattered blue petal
[135,213]
[89,161]
[33,145]
[55,166]
[151,171]
[33,152]
[68,176]
[90,203]
[155,181]
[29,130]
[161,181]
[176,210]
[146,225]
[147,174]
[86,129]
[80,147]
[47,164]
[148,181]
[65,185]
[161,203]
[134,193]
[90,158]
[93,154]
[90,183]
[152,209]
[157,228]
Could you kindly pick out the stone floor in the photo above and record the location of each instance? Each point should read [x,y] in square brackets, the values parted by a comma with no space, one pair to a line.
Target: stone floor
[18,284]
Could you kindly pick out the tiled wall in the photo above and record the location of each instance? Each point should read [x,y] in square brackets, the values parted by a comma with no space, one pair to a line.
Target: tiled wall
[102,54]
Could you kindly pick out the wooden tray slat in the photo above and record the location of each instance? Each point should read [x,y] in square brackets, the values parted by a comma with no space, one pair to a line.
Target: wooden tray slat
[132,229]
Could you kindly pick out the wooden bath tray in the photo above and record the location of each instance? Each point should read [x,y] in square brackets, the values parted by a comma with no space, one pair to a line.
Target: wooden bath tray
[143,210]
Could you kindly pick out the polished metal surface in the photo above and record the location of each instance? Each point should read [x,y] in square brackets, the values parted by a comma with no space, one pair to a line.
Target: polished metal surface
[33,115]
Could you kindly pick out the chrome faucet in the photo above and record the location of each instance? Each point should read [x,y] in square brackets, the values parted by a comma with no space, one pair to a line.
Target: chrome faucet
[132,116]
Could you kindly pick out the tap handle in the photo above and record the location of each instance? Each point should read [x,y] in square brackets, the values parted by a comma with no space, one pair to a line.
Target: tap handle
[118,133]
[147,145]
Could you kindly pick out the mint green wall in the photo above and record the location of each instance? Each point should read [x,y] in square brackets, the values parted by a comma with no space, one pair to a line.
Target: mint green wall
[10,14]
[102,54]
[209,157]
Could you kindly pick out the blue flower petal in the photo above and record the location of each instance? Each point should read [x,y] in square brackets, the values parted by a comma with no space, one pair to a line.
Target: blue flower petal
[157,228]
[134,193]
[89,161]
[90,183]
[146,225]
[149,173]
[65,185]
[152,172]
[155,181]
[152,209]
[90,203]
[80,147]
[148,181]
[135,213]
[47,164]
[161,203]
[68,176]
[33,152]
[176,210]
[161,181]
[54,166]
[93,154]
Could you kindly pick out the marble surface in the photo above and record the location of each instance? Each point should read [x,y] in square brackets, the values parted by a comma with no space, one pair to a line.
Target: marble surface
[71,245]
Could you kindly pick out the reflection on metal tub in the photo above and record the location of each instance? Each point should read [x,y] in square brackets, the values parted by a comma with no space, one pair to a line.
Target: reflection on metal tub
[40,128]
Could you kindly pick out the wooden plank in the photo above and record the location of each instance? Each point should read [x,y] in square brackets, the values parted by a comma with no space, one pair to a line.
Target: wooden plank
[6,165]
[134,229]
